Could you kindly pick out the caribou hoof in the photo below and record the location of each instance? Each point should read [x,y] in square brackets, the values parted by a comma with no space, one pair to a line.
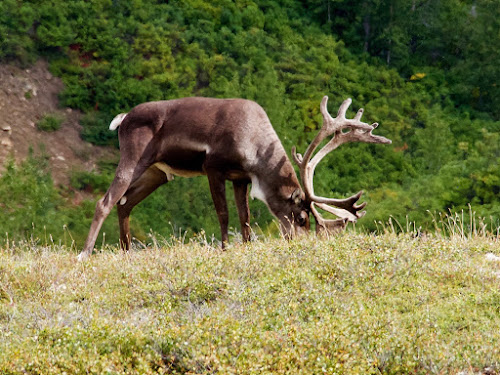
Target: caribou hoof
[82,257]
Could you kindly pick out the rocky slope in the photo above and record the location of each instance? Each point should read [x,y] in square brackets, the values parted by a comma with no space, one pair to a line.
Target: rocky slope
[26,95]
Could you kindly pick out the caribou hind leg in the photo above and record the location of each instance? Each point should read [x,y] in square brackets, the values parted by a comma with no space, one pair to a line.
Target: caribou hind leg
[136,193]
[127,171]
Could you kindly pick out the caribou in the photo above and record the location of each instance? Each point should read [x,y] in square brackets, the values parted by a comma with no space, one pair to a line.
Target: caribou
[226,139]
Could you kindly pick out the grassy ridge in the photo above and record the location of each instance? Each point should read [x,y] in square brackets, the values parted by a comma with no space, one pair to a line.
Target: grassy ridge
[354,304]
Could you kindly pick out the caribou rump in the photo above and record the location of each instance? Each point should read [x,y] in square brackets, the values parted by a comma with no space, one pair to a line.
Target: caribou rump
[224,139]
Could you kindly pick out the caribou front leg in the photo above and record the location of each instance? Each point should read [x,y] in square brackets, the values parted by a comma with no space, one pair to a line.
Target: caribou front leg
[241,198]
[218,189]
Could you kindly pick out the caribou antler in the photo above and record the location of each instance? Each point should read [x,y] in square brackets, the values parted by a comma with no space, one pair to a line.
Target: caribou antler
[343,130]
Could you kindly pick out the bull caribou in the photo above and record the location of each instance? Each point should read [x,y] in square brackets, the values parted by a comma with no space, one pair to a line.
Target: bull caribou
[226,139]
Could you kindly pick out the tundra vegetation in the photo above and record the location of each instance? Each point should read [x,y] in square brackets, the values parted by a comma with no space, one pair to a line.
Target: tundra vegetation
[354,304]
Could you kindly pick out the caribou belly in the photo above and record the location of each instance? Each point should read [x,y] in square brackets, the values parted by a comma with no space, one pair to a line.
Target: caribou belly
[183,158]
[170,171]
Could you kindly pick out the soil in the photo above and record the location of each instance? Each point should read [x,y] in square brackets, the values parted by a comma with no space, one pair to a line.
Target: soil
[26,96]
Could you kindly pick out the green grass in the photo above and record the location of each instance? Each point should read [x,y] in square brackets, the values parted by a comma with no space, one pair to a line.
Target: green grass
[355,304]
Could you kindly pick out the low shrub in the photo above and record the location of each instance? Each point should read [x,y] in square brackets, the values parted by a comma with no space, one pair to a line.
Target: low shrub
[50,123]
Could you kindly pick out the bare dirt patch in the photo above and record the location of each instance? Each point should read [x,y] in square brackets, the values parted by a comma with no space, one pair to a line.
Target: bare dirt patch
[26,96]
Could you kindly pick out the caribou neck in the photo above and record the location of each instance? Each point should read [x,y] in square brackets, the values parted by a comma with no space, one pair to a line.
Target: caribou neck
[274,182]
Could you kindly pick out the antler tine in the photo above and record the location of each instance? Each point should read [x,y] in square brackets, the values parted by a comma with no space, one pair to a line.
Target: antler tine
[328,226]
[359,114]
[343,214]
[327,119]
[297,158]
[323,107]
[347,204]
[343,109]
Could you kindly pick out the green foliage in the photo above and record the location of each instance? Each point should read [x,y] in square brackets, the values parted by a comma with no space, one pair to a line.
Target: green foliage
[455,36]
[28,198]
[90,181]
[50,123]
[31,207]
[16,36]
[96,129]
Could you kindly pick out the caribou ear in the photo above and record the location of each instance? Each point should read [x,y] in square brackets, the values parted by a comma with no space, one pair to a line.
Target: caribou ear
[297,196]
